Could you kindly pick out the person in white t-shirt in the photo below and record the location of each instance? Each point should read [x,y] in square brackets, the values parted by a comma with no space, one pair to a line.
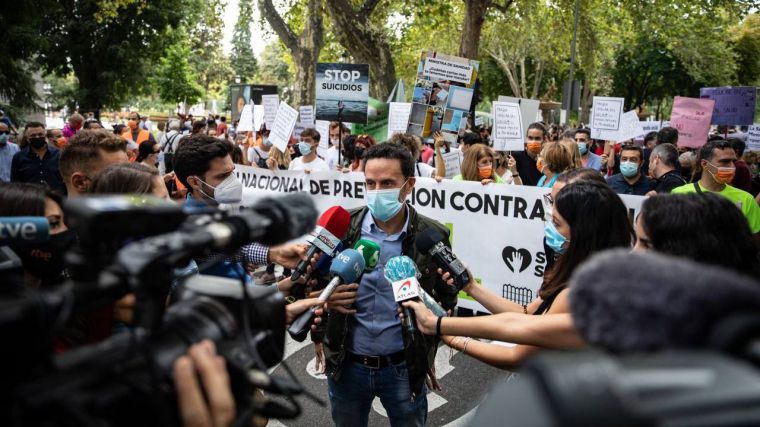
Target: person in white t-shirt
[331,155]
[308,162]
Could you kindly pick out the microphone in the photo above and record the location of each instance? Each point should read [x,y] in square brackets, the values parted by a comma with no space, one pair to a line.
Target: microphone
[405,264]
[401,272]
[331,228]
[641,301]
[346,268]
[23,229]
[298,290]
[370,251]
[431,241]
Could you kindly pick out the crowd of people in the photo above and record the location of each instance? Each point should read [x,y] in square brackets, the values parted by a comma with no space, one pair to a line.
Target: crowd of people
[702,204]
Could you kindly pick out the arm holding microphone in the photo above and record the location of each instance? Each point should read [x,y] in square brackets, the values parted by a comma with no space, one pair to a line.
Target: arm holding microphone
[491,301]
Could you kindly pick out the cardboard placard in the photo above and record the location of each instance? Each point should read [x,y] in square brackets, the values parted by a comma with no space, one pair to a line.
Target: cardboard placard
[398,117]
[270,103]
[507,126]
[734,105]
[692,116]
[342,92]
[283,125]
[606,113]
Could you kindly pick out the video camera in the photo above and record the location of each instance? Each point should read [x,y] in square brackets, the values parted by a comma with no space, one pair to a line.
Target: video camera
[133,245]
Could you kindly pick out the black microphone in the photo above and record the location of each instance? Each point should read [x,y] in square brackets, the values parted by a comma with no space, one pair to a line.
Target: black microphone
[646,301]
[431,241]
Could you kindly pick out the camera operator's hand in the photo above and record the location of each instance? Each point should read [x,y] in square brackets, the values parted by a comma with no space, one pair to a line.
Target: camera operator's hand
[217,409]
[124,309]
[288,255]
[343,297]
[426,319]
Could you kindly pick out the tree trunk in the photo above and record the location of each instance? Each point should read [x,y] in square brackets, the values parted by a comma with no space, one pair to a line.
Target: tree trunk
[474,16]
[366,44]
[538,75]
[304,48]
[587,98]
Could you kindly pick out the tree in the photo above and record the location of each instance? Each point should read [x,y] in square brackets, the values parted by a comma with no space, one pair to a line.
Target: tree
[206,28]
[746,44]
[273,70]
[304,48]
[175,79]
[472,26]
[367,43]
[242,58]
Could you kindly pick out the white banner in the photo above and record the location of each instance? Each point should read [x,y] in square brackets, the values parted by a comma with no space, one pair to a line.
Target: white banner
[497,230]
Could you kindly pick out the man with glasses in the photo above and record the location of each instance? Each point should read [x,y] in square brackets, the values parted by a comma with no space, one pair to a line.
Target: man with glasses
[7,151]
[367,354]
[37,163]
[589,159]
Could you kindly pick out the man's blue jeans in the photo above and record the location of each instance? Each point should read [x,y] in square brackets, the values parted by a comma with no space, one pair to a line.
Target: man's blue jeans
[351,396]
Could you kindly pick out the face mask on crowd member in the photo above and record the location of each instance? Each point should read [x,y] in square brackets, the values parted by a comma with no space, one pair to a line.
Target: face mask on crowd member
[205,166]
[485,168]
[582,139]
[535,138]
[630,162]
[721,164]
[387,184]
[134,120]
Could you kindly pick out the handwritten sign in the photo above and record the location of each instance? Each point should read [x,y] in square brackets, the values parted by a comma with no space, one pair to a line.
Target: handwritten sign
[270,103]
[323,127]
[282,126]
[258,117]
[528,108]
[451,163]
[306,113]
[246,120]
[398,117]
[691,116]
[442,69]
[606,113]
[734,105]
[507,126]
[753,138]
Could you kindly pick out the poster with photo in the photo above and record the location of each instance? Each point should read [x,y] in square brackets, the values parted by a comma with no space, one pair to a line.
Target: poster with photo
[442,95]
[342,92]
[242,95]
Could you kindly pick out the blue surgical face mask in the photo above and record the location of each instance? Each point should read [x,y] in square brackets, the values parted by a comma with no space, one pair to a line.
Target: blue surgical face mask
[554,239]
[3,139]
[629,169]
[384,204]
[304,148]
[583,147]
[267,142]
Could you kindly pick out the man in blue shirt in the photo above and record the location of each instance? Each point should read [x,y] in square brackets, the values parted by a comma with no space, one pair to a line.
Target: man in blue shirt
[367,354]
[37,163]
[7,151]
[589,159]
[630,180]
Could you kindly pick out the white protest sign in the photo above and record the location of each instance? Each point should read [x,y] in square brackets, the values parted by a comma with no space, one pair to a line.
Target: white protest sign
[507,126]
[246,120]
[270,103]
[323,127]
[528,109]
[282,126]
[508,217]
[398,117]
[650,126]
[630,128]
[258,117]
[441,69]
[451,163]
[306,112]
[753,138]
[606,113]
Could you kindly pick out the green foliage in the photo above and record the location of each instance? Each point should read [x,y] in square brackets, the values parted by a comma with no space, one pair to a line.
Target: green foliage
[206,27]
[63,91]
[243,60]
[745,39]
[275,70]
[175,80]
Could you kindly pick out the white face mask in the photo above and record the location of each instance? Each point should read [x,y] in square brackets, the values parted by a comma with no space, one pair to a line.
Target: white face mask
[228,191]
[334,141]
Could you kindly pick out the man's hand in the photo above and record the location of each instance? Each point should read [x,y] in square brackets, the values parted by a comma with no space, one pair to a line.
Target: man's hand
[426,319]
[651,193]
[288,255]
[319,352]
[124,309]
[217,409]
[344,296]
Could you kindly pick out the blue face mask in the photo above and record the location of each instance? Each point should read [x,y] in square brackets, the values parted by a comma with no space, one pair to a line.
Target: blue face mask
[384,204]
[266,142]
[554,239]
[304,148]
[629,169]
[583,147]
[3,139]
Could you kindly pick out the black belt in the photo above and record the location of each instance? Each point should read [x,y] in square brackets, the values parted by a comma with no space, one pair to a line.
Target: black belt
[377,362]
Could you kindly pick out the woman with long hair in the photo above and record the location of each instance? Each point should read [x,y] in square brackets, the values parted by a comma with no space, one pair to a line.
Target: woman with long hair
[587,218]
[478,165]
[147,153]
[554,159]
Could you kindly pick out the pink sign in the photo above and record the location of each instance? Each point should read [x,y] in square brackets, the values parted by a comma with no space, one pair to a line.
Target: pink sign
[691,116]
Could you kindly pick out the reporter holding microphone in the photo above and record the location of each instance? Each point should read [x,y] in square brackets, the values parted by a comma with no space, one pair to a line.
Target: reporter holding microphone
[575,233]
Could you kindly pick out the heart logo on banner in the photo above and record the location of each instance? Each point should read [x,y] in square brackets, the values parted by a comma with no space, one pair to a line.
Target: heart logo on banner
[516,258]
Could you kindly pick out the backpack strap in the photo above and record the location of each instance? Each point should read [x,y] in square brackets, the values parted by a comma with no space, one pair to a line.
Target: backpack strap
[696,187]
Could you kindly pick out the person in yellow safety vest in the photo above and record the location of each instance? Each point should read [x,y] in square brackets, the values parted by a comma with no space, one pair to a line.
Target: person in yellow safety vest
[135,136]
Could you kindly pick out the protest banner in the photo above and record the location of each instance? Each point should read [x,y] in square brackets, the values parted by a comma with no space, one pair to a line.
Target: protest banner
[244,94]
[282,126]
[606,115]
[734,105]
[691,116]
[507,126]
[342,92]
[306,115]
[270,103]
[246,120]
[753,138]
[398,117]
[528,109]
[442,95]
[508,219]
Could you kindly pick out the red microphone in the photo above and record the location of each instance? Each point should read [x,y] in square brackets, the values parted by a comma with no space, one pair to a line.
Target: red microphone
[331,229]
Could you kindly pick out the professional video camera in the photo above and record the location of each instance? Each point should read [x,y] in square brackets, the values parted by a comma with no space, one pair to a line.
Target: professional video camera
[127,379]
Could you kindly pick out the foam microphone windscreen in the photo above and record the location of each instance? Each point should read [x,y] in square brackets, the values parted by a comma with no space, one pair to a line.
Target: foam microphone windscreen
[426,239]
[646,301]
[336,220]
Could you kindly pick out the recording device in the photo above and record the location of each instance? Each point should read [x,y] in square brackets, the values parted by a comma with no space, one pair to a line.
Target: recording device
[431,241]
[401,267]
[370,251]
[688,345]
[23,229]
[127,379]
[331,228]
[345,268]
[401,273]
